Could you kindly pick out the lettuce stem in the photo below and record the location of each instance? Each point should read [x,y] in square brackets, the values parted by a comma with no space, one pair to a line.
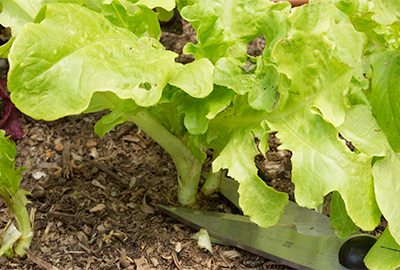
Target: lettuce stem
[213,182]
[17,204]
[189,168]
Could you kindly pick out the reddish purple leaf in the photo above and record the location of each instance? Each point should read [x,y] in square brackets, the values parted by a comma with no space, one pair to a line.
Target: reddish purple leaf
[9,120]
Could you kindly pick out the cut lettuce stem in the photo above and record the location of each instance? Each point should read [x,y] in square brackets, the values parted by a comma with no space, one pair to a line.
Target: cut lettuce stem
[213,182]
[17,204]
[189,168]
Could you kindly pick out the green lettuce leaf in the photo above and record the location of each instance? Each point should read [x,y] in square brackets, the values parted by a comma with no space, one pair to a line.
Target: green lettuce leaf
[360,127]
[339,218]
[118,116]
[9,177]
[195,78]
[138,19]
[322,163]
[262,203]
[385,95]
[16,14]
[90,55]
[314,18]
[387,11]
[354,6]
[224,27]
[343,35]
[165,4]
[274,25]
[261,85]
[385,254]
[199,112]
[231,135]
[317,79]
[386,177]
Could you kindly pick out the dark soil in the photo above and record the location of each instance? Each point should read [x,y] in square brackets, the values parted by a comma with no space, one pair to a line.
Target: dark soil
[95,200]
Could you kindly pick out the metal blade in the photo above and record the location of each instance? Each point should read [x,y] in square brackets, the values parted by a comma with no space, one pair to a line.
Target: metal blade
[281,244]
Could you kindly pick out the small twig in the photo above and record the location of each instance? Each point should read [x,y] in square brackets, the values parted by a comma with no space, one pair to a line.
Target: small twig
[106,171]
[125,131]
[225,261]
[177,262]
[72,218]
[66,160]
[85,248]
[39,262]
[180,255]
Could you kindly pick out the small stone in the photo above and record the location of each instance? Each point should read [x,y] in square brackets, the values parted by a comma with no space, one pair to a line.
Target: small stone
[38,175]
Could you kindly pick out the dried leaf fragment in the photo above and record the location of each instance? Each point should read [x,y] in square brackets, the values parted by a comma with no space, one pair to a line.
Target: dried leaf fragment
[145,208]
[97,208]
[203,240]
[142,264]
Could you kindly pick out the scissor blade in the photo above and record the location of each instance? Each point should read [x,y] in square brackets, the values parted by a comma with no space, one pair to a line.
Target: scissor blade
[278,243]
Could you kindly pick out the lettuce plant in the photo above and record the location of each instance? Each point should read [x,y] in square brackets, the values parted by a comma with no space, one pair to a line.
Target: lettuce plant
[329,70]
[13,240]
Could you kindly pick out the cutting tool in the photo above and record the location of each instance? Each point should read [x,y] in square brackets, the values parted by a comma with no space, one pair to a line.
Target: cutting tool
[302,239]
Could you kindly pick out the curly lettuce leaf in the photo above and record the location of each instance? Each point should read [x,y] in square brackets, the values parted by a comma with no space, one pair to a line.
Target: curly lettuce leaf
[9,177]
[195,78]
[385,95]
[261,203]
[314,18]
[165,4]
[261,85]
[138,19]
[224,27]
[354,6]
[317,79]
[231,135]
[361,128]
[343,35]
[274,25]
[322,163]
[387,11]
[198,113]
[90,55]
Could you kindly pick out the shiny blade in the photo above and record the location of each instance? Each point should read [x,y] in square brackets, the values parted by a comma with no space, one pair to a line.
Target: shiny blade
[281,244]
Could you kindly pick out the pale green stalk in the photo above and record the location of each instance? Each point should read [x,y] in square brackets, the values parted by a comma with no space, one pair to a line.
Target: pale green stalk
[16,204]
[213,182]
[188,167]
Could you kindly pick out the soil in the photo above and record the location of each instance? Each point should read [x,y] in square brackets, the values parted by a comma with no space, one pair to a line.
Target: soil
[95,199]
